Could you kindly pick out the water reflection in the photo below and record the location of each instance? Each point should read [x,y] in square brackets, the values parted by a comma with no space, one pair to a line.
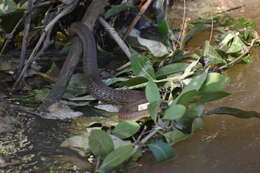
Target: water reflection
[225,144]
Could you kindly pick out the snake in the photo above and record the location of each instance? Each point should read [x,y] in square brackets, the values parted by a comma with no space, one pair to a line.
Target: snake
[129,99]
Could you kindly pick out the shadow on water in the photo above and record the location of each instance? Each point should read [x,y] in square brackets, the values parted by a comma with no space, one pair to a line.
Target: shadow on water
[224,144]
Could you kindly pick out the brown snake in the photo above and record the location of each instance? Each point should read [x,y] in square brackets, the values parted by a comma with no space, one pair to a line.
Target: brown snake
[129,99]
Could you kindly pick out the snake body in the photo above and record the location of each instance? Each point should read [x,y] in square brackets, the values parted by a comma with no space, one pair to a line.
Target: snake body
[129,99]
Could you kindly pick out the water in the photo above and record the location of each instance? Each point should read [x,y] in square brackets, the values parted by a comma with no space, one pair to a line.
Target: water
[225,144]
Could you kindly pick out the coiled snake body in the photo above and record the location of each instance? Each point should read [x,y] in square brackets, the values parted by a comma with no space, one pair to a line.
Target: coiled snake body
[129,99]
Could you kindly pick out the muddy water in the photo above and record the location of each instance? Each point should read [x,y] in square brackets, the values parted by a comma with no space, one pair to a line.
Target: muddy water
[225,144]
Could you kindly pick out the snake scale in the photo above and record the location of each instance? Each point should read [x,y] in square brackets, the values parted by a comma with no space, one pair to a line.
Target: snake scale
[129,99]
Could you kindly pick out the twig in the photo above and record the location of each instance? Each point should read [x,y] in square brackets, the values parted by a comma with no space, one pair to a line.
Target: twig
[183,34]
[47,29]
[94,10]
[11,35]
[153,132]
[115,36]
[232,9]
[211,30]
[27,24]
[123,66]
[137,18]
[183,21]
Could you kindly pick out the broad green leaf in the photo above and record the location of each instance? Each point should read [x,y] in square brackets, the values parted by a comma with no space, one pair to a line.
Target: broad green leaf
[153,109]
[194,85]
[8,6]
[141,66]
[156,48]
[208,97]
[185,123]
[41,94]
[118,142]
[152,92]
[100,143]
[174,112]
[195,110]
[212,55]
[162,151]
[197,124]
[77,86]
[244,23]
[171,68]
[175,136]
[234,112]
[115,9]
[224,43]
[236,45]
[189,97]
[126,129]
[214,83]
[116,158]
[164,28]
[247,59]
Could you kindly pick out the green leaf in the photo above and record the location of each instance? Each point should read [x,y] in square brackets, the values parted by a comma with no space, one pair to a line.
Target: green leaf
[174,112]
[212,55]
[41,94]
[100,143]
[189,97]
[234,112]
[224,42]
[214,83]
[126,129]
[153,109]
[236,45]
[185,123]
[162,151]
[208,97]
[116,158]
[171,68]
[175,136]
[115,9]
[8,6]
[141,66]
[164,28]
[155,47]
[195,110]
[77,86]
[247,59]
[194,85]
[197,124]
[152,92]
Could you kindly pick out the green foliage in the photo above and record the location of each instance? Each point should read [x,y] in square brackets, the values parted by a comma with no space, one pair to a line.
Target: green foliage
[176,115]
[126,129]
[174,112]
[116,158]
[234,112]
[171,69]
[100,143]
[141,66]
[152,92]
[177,85]
[162,151]
[115,9]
